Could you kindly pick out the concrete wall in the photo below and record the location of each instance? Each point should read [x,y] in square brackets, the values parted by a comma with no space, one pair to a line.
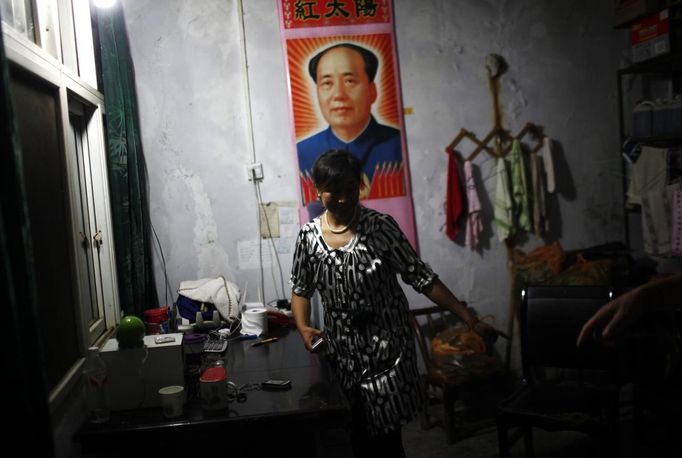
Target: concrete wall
[562,59]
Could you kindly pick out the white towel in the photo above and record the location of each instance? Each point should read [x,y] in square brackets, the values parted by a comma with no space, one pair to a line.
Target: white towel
[217,291]
[503,201]
[474,226]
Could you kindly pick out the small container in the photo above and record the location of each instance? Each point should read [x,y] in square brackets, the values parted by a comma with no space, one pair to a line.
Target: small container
[213,388]
[674,126]
[660,118]
[156,320]
[642,119]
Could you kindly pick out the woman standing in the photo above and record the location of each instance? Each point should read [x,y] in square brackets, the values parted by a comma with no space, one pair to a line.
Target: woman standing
[352,256]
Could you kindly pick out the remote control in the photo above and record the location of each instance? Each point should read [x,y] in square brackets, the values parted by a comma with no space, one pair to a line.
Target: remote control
[164,339]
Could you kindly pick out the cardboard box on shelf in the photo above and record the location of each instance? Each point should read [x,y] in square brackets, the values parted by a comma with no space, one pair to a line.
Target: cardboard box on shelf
[657,34]
[626,11]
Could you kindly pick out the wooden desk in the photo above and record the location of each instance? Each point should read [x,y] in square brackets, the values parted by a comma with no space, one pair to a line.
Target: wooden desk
[265,423]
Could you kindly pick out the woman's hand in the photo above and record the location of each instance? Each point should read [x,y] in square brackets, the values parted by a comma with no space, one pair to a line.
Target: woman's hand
[489,332]
[308,333]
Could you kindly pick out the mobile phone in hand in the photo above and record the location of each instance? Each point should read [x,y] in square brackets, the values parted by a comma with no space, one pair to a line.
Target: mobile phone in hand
[319,344]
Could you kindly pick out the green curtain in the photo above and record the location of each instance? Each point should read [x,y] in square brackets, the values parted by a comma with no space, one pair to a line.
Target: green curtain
[127,172]
[22,353]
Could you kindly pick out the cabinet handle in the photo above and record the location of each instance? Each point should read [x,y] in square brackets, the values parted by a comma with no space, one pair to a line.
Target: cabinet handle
[98,239]
[84,240]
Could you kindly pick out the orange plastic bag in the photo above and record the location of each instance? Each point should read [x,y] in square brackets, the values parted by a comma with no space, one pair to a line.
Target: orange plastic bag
[459,355]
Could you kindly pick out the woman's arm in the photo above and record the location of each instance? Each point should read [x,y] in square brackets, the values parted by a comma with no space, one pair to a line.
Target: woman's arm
[441,295]
[300,307]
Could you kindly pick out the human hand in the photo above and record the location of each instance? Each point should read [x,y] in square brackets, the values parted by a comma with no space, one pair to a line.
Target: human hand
[611,320]
[489,332]
[308,334]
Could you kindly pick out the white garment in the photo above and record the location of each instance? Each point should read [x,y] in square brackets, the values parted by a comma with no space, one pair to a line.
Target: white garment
[474,226]
[657,220]
[677,224]
[549,163]
[647,175]
[217,291]
[540,221]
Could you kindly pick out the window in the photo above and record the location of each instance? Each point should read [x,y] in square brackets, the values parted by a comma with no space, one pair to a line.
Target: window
[19,15]
[59,113]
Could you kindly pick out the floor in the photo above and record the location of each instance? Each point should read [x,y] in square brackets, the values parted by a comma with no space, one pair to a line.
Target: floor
[658,441]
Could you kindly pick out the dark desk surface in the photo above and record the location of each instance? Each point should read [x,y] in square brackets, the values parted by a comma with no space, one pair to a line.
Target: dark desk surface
[312,403]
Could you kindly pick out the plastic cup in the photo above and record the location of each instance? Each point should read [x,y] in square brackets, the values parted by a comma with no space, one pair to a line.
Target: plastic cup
[172,400]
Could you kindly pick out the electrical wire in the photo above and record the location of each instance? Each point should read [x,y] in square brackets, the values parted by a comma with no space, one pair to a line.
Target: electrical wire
[167,289]
[261,291]
[158,243]
[249,125]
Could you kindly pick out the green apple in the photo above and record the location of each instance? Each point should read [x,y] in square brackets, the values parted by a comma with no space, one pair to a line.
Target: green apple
[130,332]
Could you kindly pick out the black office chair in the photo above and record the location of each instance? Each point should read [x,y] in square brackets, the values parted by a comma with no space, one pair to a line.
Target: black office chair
[564,388]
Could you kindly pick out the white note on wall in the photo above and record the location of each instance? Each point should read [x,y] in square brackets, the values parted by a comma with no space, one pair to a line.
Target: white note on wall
[288,223]
[249,256]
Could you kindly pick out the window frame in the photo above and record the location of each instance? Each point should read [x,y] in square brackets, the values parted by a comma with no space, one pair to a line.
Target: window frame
[76,94]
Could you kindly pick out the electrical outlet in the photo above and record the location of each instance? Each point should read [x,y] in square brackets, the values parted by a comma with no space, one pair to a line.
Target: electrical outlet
[254,172]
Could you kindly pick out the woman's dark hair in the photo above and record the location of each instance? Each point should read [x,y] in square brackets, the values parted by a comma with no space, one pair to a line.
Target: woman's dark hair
[335,166]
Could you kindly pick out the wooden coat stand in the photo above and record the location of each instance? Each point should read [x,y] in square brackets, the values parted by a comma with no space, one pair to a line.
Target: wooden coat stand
[502,143]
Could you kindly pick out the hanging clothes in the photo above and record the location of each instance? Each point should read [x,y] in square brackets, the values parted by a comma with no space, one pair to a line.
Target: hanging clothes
[503,201]
[657,220]
[474,226]
[453,198]
[519,187]
[548,161]
[648,174]
[676,229]
[540,221]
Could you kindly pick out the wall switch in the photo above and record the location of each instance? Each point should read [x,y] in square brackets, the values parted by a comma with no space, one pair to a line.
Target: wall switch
[255,171]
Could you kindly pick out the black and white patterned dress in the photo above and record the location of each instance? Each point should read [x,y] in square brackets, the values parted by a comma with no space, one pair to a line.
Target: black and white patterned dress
[366,315]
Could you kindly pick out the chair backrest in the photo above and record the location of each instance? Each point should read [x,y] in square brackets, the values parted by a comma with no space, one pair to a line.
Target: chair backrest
[551,319]
[426,323]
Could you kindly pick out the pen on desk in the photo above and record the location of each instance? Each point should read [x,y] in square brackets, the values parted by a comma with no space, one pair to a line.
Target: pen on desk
[265,341]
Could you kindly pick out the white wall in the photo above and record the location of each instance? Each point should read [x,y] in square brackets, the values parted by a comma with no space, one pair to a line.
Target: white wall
[562,60]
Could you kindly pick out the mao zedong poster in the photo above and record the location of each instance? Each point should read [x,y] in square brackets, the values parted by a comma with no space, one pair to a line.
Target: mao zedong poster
[344,93]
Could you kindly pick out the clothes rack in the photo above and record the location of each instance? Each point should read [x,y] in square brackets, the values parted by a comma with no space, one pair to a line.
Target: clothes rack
[502,140]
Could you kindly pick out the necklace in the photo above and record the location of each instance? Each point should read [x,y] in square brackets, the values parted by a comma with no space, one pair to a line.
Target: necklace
[342,229]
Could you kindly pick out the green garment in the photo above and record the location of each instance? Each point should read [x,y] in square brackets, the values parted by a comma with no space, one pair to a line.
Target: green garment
[503,202]
[519,187]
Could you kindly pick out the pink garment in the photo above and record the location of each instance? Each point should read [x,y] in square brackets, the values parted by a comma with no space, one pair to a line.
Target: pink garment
[474,226]
[676,237]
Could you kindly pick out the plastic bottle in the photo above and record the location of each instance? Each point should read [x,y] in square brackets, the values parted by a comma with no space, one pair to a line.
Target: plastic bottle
[95,374]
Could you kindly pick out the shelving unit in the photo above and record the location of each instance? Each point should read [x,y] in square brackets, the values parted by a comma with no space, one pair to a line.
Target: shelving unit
[658,78]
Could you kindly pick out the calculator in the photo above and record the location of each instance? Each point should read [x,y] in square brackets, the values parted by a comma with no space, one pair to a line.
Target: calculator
[215,345]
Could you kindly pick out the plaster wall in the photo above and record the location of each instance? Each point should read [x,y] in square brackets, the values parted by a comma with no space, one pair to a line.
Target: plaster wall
[562,59]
